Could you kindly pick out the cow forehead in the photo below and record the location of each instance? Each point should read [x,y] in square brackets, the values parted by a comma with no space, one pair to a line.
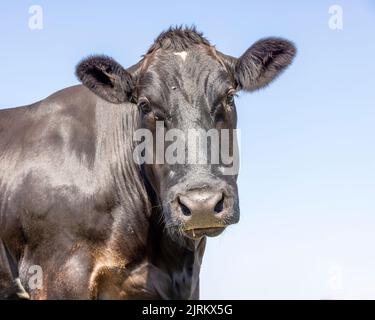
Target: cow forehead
[187,72]
[185,63]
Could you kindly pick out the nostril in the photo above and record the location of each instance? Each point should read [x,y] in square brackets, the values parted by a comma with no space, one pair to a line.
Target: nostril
[185,210]
[220,205]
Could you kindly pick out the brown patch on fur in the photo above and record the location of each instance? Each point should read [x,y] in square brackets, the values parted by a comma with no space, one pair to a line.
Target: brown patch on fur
[105,260]
[213,53]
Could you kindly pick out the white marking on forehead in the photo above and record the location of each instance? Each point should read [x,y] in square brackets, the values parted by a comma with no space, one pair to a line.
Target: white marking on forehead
[182,54]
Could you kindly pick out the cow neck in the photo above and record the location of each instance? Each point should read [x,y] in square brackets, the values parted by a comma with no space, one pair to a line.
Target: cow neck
[116,125]
[180,258]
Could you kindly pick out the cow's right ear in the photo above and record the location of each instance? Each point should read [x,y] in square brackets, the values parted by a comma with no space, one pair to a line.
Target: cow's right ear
[105,77]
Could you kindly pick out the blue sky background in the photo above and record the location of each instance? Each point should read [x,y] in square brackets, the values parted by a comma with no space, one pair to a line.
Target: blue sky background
[307,181]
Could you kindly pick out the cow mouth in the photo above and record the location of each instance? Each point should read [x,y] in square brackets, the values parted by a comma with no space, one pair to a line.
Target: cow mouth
[197,233]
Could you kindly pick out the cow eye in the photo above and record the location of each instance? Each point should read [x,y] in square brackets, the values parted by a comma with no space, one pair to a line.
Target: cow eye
[144,106]
[230,98]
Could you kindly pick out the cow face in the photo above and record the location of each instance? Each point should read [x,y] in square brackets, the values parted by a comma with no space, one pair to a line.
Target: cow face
[185,92]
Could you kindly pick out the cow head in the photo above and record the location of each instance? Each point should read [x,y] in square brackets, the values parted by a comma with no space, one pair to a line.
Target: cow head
[184,84]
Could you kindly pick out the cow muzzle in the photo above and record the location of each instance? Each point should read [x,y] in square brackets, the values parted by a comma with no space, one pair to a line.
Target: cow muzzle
[204,212]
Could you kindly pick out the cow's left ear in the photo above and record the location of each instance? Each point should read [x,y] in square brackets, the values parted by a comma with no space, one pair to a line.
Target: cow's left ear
[263,62]
[105,77]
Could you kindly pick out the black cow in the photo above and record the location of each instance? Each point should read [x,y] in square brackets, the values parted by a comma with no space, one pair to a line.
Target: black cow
[79,217]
